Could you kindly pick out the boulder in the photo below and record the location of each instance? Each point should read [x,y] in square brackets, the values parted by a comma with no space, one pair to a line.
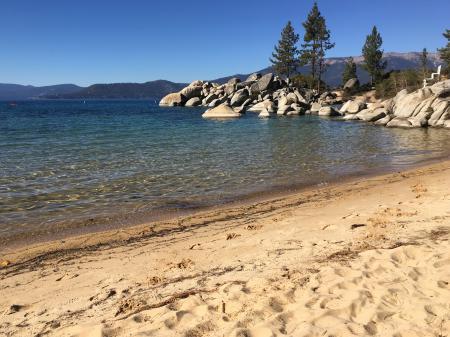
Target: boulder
[215,103]
[328,111]
[353,107]
[265,114]
[399,122]
[230,88]
[233,81]
[406,105]
[351,117]
[221,111]
[239,97]
[383,121]
[174,99]
[351,84]
[266,104]
[418,122]
[371,115]
[264,83]
[446,124]
[283,110]
[194,89]
[253,77]
[315,107]
[194,101]
[441,89]
[210,98]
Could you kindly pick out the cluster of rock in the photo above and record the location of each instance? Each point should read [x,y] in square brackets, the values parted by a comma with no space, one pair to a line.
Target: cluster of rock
[270,95]
[429,106]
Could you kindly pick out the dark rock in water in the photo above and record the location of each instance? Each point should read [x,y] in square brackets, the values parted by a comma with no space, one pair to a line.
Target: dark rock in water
[264,83]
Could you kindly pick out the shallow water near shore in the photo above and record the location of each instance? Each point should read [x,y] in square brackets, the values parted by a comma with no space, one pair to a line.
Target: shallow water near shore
[101,162]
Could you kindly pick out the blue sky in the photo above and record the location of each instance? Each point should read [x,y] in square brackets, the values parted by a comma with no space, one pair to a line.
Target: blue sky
[98,41]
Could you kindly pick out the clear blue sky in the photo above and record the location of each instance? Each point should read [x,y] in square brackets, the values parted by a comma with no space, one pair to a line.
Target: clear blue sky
[99,41]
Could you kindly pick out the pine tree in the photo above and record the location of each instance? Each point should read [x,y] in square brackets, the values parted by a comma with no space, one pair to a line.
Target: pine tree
[349,71]
[285,57]
[444,53]
[373,56]
[424,62]
[317,41]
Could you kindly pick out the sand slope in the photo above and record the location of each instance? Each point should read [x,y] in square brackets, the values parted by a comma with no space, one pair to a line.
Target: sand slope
[367,258]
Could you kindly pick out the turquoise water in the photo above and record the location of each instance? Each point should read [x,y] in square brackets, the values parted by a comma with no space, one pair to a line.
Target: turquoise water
[99,161]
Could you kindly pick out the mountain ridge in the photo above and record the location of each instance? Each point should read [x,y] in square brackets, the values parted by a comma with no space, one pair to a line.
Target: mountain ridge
[159,88]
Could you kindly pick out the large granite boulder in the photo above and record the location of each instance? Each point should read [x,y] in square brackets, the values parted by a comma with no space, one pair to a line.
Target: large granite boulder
[221,111]
[371,115]
[265,113]
[253,77]
[315,107]
[263,84]
[351,85]
[194,101]
[239,97]
[208,99]
[353,107]
[174,99]
[399,122]
[260,106]
[233,81]
[441,89]
[328,111]
[383,121]
[194,89]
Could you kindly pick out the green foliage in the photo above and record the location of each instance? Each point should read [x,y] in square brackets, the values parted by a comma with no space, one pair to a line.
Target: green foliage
[398,80]
[349,71]
[285,57]
[373,55]
[307,81]
[444,52]
[317,40]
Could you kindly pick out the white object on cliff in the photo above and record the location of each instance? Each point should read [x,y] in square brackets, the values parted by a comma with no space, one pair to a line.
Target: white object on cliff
[433,75]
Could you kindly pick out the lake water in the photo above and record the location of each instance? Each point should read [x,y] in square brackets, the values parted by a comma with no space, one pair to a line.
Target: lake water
[69,162]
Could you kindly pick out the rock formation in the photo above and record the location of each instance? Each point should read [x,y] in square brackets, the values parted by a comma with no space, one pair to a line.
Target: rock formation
[270,96]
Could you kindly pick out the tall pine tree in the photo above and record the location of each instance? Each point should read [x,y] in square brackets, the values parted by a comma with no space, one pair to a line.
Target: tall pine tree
[424,62]
[444,53]
[373,55]
[317,41]
[285,57]
[349,70]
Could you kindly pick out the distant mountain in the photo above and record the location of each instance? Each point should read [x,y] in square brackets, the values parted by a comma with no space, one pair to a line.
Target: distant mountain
[157,89]
[149,90]
[335,67]
[20,92]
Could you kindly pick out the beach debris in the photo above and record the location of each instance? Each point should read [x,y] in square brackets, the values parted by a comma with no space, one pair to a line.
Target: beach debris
[4,263]
[15,308]
[253,227]
[185,263]
[357,225]
[231,236]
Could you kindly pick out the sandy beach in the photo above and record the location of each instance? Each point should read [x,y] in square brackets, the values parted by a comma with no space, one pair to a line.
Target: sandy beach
[370,257]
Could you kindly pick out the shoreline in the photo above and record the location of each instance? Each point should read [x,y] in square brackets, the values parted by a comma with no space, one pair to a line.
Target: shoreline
[368,257]
[172,217]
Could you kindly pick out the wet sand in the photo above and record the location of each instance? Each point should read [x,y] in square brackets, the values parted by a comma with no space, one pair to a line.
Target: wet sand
[368,257]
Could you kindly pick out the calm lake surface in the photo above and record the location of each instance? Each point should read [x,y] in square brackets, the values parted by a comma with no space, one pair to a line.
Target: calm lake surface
[96,162]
